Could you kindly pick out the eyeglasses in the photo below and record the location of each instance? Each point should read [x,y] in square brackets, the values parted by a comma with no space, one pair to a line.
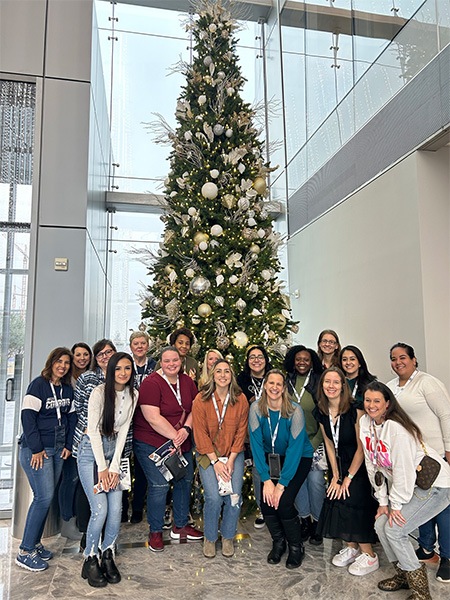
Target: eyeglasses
[328,342]
[256,357]
[105,354]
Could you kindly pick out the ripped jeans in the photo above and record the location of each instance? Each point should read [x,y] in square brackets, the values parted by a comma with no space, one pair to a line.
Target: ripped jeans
[105,506]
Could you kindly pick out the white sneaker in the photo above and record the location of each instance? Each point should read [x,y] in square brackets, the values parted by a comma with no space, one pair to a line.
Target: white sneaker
[259,521]
[364,564]
[346,556]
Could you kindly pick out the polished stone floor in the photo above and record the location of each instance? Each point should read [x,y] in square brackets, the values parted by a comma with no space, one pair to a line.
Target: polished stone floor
[181,572]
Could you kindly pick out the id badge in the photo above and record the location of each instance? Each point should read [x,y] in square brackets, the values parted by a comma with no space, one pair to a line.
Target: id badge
[60,437]
[274,466]
[339,466]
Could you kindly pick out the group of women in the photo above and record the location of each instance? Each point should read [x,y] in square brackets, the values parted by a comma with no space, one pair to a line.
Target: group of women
[329,414]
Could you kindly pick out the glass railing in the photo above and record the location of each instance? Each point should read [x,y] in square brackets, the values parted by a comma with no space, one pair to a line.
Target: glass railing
[416,44]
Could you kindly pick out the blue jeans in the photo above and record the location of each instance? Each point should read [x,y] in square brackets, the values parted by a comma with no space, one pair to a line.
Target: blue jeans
[67,489]
[105,506]
[158,488]
[214,502]
[427,533]
[310,497]
[43,482]
[395,540]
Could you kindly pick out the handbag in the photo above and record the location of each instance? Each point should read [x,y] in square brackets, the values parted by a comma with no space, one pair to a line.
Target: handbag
[175,466]
[427,471]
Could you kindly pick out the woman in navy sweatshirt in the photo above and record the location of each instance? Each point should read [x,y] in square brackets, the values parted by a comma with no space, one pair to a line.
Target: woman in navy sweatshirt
[48,421]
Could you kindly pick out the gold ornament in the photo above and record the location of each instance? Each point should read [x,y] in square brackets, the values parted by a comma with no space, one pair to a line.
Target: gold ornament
[260,185]
[204,310]
[168,269]
[279,321]
[200,237]
[229,201]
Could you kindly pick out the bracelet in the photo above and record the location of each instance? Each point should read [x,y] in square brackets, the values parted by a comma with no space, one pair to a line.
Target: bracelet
[188,429]
[213,462]
[350,476]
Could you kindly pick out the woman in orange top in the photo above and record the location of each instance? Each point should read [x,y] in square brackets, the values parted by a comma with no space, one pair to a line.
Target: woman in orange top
[220,418]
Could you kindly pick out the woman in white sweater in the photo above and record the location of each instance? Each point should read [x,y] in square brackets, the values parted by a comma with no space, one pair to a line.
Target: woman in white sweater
[393,448]
[110,410]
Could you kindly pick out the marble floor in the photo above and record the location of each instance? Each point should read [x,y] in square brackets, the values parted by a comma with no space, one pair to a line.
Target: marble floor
[181,572]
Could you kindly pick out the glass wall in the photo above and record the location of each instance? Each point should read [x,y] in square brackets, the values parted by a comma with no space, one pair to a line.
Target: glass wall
[17,121]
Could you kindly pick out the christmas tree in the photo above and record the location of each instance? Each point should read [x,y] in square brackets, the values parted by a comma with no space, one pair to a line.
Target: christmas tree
[216,272]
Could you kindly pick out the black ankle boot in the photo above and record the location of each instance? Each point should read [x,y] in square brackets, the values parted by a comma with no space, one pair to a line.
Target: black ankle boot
[306,528]
[292,530]
[109,567]
[92,572]
[315,539]
[278,540]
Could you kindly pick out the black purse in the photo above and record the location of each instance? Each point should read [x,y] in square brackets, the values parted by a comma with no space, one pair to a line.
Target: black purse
[427,471]
[175,466]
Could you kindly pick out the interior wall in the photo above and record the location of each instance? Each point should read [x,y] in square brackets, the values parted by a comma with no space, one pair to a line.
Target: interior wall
[52,43]
[357,270]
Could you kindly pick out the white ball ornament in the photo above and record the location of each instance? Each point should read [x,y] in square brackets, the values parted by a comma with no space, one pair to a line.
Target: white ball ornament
[214,173]
[203,246]
[199,285]
[216,230]
[266,274]
[261,233]
[221,75]
[251,222]
[218,129]
[192,211]
[240,339]
[210,190]
[229,133]
[202,99]
[212,28]
[230,91]
[196,319]
[190,273]
[233,279]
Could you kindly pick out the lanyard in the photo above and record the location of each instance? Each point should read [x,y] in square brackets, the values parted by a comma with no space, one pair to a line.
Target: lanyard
[296,394]
[335,431]
[221,417]
[398,389]
[140,376]
[273,435]
[176,393]
[355,389]
[57,404]
[257,387]
[374,442]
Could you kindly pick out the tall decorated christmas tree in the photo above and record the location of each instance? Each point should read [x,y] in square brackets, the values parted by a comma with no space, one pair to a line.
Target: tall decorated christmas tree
[216,272]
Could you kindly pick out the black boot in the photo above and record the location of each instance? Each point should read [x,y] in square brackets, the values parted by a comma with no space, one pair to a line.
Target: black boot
[83,543]
[293,533]
[92,572]
[306,528]
[278,540]
[315,539]
[109,567]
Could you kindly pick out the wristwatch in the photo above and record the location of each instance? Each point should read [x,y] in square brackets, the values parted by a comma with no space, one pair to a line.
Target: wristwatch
[188,429]
[213,462]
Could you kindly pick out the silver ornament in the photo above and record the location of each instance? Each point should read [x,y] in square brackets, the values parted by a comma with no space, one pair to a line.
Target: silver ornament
[222,342]
[199,285]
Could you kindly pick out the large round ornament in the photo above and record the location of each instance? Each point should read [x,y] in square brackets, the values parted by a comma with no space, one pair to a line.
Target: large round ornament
[218,129]
[210,190]
[266,274]
[200,237]
[222,342]
[255,249]
[196,319]
[260,185]
[240,339]
[204,310]
[214,173]
[203,246]
[216,230]
[199,286]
